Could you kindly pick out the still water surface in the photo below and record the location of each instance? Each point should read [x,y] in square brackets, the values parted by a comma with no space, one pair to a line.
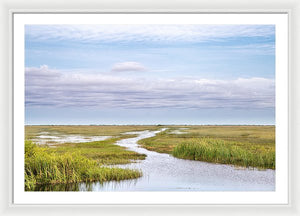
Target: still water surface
[163,172]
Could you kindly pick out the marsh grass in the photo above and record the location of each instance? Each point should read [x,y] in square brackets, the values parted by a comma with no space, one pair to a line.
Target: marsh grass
[31,131]
[238,145]
[104,152]
[46,167]
[225,152]
[79,162]
[70,163]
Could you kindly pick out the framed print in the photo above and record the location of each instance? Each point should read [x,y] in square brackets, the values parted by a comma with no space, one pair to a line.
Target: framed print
[162,108]
[214,87]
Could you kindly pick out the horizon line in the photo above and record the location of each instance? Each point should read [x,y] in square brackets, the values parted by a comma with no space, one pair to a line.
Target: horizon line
[149,124]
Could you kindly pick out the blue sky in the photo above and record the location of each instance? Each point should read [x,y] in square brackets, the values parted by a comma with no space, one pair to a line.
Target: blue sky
[149,74]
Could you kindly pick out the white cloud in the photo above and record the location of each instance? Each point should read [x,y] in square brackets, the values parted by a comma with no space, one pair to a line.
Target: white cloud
[42,71]
[60,89]
[152,33]
[128,66]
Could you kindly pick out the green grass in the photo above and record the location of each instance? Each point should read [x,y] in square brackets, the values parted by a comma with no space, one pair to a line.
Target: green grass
[104,152]
[69,163]
[238,145]
[225,152]
[47,167]
[78,162]
[31,131]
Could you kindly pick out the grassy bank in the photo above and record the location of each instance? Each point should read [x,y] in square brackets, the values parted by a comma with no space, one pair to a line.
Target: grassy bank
[45,166]
[104,152]
[31,131]
[249,146]
[78,162]
[225,152]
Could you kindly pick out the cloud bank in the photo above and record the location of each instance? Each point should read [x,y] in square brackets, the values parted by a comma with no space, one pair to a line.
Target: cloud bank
[46,87]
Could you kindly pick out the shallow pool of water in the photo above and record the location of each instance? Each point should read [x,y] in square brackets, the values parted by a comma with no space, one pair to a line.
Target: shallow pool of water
[50,139]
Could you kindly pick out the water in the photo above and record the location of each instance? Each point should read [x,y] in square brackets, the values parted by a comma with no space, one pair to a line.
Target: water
[163,172]
[50,139]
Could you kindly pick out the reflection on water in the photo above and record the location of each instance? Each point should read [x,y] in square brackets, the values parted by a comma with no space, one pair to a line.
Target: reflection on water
[89,186]
[58,187]
[163,172]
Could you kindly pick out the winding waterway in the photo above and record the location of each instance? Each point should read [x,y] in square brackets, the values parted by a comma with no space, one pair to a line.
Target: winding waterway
[163,172]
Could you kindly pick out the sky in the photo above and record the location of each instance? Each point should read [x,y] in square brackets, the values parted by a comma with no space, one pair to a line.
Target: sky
[150,74]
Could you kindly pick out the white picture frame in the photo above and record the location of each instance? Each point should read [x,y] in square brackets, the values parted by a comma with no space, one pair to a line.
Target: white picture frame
[280,193]
[8,207]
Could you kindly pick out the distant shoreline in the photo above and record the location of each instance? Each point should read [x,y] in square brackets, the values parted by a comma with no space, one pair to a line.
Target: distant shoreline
[150,125]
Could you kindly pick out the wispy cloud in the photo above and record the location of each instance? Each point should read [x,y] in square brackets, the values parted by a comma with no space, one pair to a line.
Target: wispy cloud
[251,49]
[47,87]
[128,66]
[144,33]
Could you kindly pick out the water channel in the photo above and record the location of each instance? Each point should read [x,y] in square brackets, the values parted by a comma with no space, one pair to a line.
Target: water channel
[163,172]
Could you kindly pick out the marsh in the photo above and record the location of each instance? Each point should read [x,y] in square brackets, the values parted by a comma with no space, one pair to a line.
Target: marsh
[144,153]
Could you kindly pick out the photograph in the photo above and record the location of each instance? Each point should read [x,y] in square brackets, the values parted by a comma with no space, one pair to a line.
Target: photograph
[150,107]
